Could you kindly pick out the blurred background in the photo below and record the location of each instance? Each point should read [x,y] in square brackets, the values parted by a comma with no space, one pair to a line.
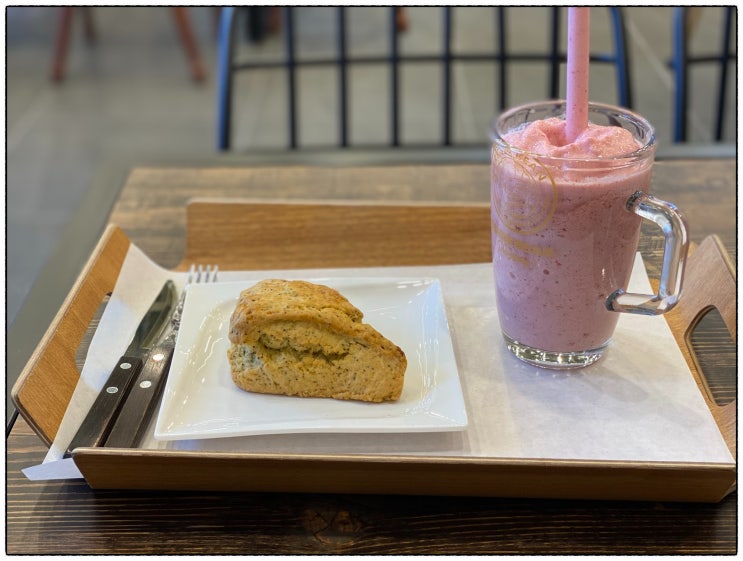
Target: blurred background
[127,95]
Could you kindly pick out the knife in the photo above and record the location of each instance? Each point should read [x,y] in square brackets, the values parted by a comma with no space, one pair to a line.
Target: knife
[135,415]
[97,424]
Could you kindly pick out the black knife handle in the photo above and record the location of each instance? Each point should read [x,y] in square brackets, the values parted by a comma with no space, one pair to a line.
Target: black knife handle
[98,422]
[136,412]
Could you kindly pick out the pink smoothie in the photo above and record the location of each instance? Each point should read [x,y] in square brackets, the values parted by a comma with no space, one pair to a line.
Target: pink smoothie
[563,240]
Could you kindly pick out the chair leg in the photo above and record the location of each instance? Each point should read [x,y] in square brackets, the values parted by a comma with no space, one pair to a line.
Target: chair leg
[394,80]
[401,19]
[60,48]
[189,43]
[447,86]
[680,67]
[621,58]
[724,59]
[88,24]
[555,57]
[291,76]
[254,24]
[224,77]
[342,78]
[502,56]
[273,19]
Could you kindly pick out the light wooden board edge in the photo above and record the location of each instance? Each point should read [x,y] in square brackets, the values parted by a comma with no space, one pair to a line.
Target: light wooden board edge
[710,282]
[106,468]
[260,234]
[44,387]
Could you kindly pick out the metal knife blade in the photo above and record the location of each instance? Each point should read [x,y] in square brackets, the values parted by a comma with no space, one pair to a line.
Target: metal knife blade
[98,422]
[136,412]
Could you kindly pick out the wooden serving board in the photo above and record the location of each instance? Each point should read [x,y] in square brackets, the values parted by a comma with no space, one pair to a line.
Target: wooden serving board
[251,235]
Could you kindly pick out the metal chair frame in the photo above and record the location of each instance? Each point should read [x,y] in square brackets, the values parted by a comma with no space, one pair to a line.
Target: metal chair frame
[227,66]
[682,60]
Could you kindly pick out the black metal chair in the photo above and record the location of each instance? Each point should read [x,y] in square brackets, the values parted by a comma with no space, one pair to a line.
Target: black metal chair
[682,60]
[501,55]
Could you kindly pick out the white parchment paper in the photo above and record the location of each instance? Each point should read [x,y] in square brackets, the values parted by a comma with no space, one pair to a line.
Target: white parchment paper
[639,403]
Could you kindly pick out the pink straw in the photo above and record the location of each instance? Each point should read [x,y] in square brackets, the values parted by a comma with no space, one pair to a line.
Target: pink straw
[579,20]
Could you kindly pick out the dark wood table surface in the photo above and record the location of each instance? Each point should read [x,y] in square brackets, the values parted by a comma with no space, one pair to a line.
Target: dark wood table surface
[67,517]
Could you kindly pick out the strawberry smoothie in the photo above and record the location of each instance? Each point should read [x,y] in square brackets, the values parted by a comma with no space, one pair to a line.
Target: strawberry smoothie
[563,237]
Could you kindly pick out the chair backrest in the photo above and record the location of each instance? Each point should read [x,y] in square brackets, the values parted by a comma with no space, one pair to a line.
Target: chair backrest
[501,55]
[683,60]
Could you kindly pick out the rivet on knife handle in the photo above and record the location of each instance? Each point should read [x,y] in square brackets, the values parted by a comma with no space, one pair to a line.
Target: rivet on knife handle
[97,424]
[135,415]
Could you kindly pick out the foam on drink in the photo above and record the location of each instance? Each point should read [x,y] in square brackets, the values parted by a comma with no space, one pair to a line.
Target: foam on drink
[549,137]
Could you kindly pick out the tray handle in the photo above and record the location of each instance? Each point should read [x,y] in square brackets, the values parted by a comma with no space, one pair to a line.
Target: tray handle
[44,387]
[710,283]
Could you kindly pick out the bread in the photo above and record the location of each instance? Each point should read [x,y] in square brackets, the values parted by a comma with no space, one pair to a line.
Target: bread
[304,339]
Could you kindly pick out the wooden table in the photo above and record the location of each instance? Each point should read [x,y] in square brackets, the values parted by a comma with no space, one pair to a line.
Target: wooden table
[68,517]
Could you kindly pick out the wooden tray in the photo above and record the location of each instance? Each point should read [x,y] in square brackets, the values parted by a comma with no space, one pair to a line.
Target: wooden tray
[252,236]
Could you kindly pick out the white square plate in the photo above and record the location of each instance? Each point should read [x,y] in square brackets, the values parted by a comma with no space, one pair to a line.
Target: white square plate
[201,401]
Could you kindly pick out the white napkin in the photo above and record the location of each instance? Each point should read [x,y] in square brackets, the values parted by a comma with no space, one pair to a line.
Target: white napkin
[139,282]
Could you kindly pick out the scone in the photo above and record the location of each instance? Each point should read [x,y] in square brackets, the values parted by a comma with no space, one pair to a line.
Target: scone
[304,339]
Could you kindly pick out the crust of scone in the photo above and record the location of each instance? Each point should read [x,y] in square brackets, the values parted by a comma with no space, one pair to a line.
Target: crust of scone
[305,339]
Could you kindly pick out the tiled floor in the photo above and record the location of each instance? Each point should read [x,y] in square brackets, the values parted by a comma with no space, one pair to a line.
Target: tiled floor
[129,98]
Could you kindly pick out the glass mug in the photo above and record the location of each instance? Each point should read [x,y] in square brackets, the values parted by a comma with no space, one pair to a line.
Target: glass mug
[564,238]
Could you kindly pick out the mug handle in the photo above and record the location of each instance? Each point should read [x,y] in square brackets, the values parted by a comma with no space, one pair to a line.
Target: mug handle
[675,231]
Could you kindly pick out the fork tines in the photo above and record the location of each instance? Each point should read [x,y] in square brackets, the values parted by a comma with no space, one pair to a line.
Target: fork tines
[203,274]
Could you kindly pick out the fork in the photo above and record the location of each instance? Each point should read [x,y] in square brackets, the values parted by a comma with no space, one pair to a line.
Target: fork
[141,402]
[196,275]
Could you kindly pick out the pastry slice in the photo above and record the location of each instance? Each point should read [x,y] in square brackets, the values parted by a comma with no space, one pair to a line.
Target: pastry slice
[303,339]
